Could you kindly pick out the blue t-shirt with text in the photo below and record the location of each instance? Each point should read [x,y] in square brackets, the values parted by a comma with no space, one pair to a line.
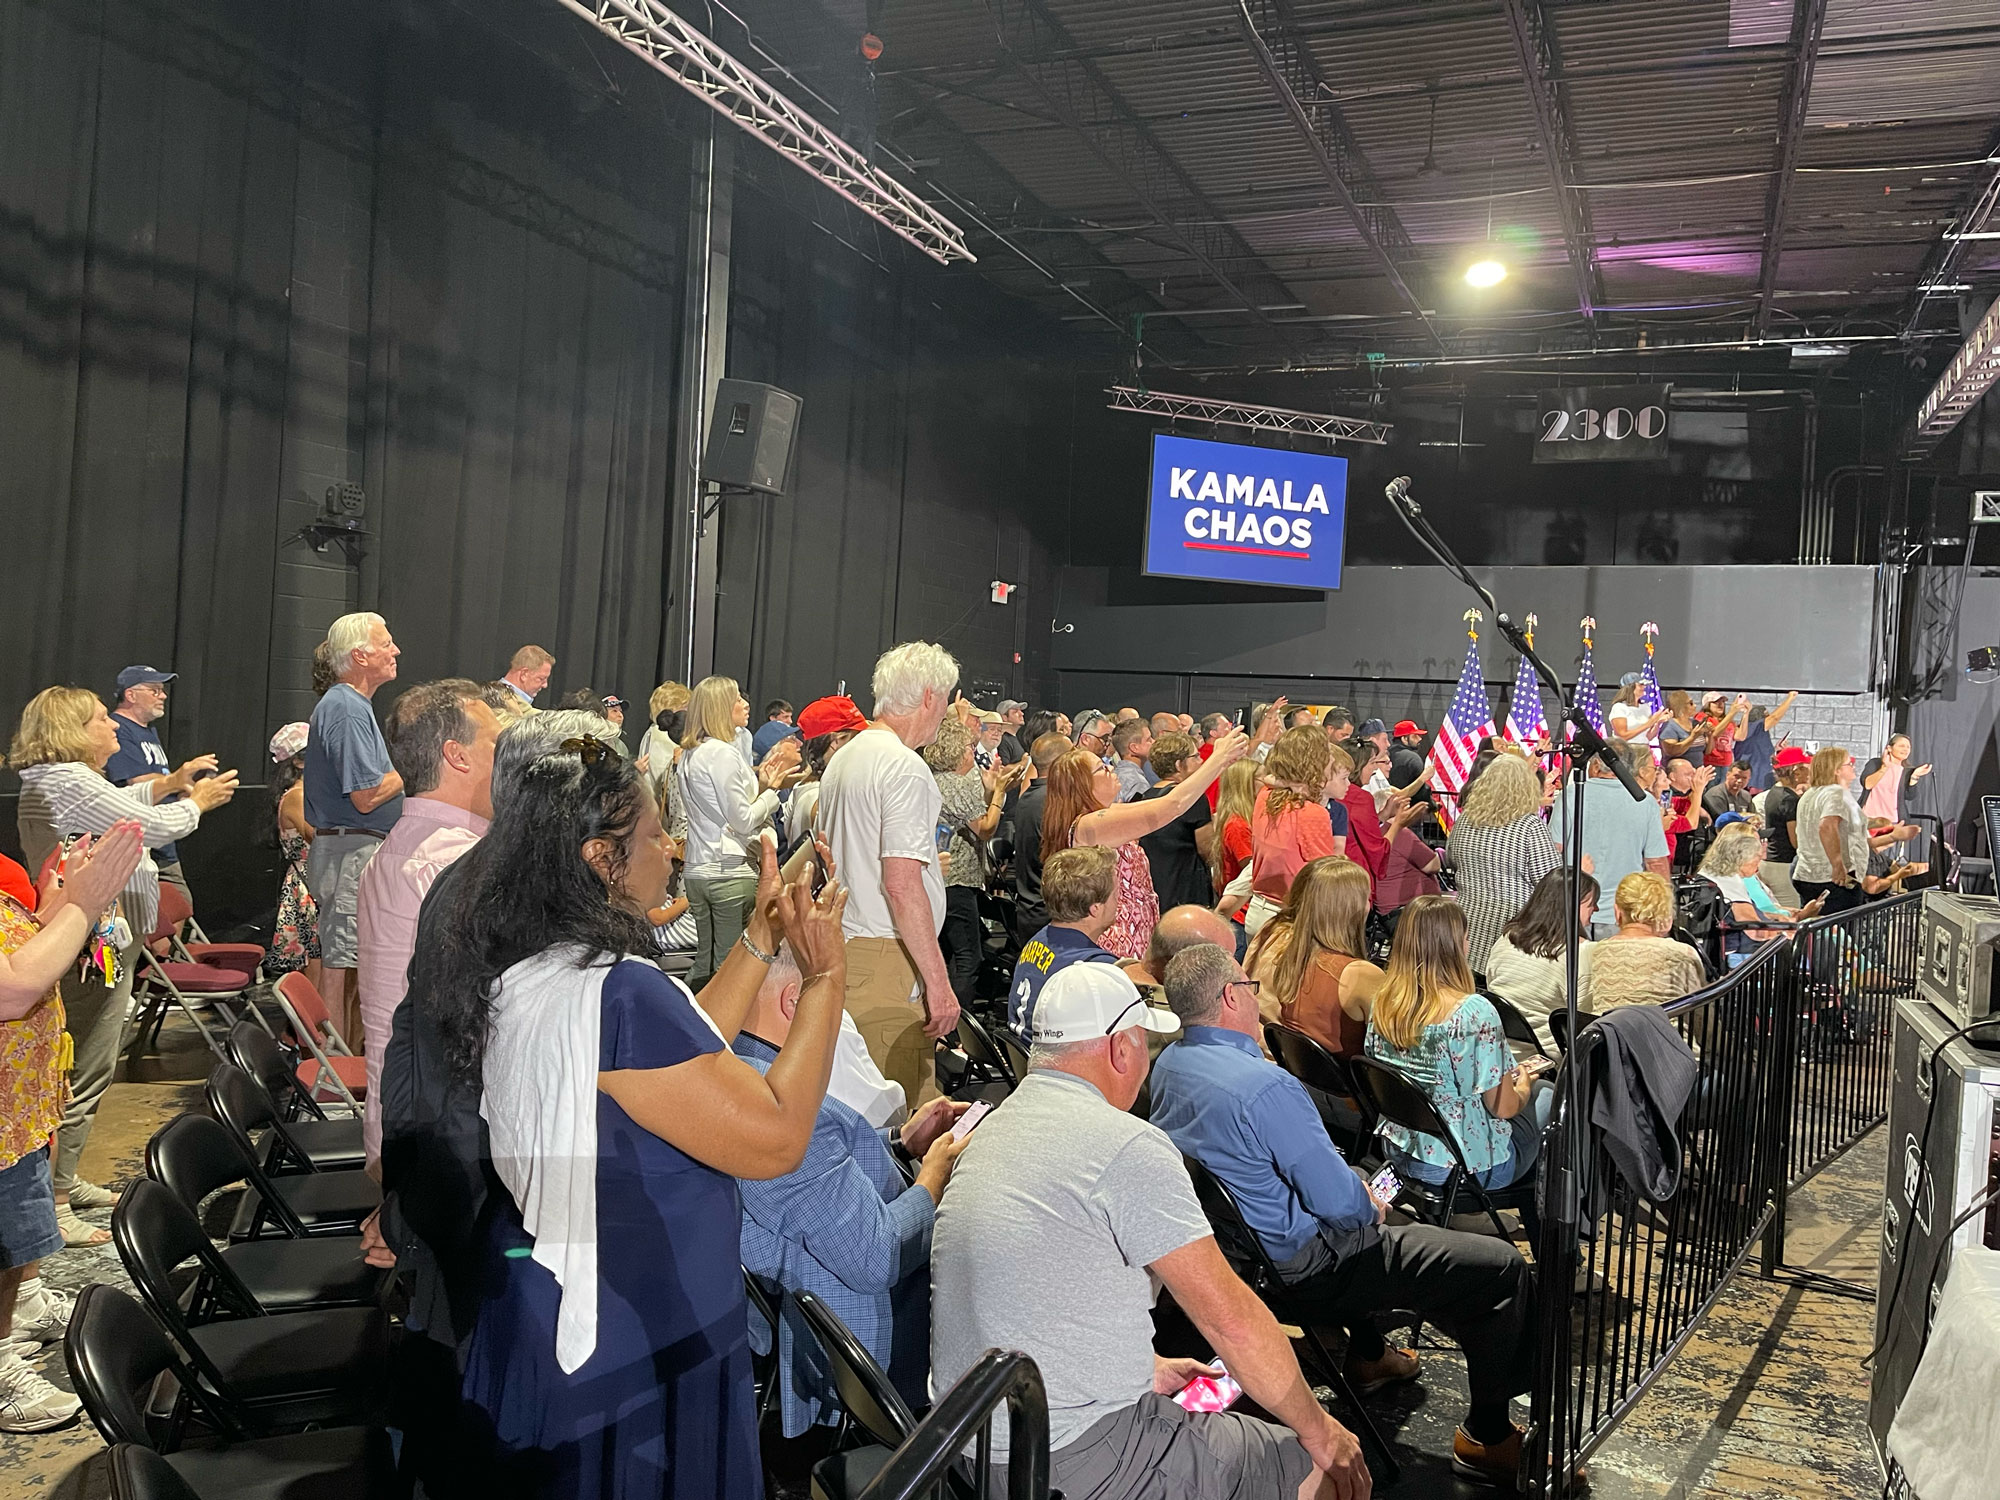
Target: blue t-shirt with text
[1048,952]
[140,753]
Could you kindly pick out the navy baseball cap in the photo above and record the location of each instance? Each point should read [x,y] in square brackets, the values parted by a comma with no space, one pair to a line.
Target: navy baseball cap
[1373,727]
[131,677]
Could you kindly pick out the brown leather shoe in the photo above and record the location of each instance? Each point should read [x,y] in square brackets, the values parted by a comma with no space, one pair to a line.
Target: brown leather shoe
[1368,1376]
[1487,1463]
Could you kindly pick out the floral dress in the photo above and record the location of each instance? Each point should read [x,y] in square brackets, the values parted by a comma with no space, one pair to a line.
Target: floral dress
[33,1056]
[295,939]
[1138,906]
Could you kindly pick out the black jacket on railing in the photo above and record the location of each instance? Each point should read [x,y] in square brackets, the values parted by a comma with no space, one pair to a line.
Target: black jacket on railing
[1643,1076]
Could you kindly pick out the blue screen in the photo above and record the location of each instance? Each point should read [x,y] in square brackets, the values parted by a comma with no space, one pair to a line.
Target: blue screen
[1242,514]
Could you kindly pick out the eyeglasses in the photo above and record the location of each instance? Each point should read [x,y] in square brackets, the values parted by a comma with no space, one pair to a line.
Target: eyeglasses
[1256,986]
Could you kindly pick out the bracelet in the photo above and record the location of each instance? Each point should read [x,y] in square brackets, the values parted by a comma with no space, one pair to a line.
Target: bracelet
[812,979]
[754,951]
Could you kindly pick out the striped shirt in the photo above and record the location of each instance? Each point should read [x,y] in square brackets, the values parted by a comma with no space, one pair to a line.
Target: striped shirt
[1498,869]
[69,797]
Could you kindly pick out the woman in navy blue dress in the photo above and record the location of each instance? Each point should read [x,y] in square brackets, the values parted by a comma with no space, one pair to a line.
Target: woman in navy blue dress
[610,1355]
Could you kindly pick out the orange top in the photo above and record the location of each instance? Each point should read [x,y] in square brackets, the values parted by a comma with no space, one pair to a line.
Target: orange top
[1286,844]
[1316,1011]
[31,1056]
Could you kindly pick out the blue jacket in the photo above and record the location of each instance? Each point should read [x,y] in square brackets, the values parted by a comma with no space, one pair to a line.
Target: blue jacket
[847,1227]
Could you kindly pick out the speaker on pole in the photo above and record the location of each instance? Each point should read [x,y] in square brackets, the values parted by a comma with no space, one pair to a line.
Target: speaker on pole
[750,437]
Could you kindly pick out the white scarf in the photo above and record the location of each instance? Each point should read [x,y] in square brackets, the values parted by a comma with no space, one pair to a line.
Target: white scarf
[539,1102]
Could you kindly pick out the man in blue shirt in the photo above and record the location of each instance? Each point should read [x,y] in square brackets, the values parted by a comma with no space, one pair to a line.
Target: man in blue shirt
[777,726]
[844,1225]
[1253,1125]
[141,703]
[353,798]
[1080,891]
[1622,837]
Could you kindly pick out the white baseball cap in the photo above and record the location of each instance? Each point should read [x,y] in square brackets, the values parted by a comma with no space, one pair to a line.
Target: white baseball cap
[1086,1001]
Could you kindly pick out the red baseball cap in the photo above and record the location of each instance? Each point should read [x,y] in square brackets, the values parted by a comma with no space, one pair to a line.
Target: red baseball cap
[1408,726]
[1792,755]
[829,716]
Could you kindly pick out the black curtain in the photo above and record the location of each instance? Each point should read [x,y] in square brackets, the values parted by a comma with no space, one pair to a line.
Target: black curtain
[145,235]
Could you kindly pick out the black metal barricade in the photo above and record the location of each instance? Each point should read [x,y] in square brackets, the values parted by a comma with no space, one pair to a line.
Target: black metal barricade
[1793,1054]
[964,1415]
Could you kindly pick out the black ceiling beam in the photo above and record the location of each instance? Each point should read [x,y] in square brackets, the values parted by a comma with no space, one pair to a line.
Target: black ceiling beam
[1080,94]
[1974,215]
[1540,56]
[1293,73]
[1808,24]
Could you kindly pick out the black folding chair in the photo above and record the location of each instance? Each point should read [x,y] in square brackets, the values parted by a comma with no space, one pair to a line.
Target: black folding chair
[1514,1024]
[1342,1108]
[1400,1102]
[764,1303]
[197,1156]
[252,1278]
[271,1372]
[246,1109]
[1559,1025]
[118,1359]
[986,1064]
[1012,1048]
[1246,1253]
[302,1128]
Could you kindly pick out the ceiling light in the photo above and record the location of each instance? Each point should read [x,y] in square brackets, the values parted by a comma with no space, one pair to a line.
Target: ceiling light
[1485,273]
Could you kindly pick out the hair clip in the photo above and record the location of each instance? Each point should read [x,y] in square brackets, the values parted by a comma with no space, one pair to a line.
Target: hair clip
[588,748]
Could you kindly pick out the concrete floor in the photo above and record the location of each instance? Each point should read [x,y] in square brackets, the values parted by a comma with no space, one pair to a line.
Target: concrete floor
[1766,1401]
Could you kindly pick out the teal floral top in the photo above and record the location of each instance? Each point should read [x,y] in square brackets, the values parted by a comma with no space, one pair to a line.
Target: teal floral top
[1455,1061]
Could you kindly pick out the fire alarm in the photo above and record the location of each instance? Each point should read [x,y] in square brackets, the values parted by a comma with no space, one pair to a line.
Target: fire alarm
[1003,592]
[871,46]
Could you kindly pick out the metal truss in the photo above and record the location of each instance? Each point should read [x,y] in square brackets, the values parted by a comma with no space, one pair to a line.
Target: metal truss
[1967,379]
[1288,65]
[1541,66]
[1941,265]
[654,33]
[1808,23]
[1259,418]
[1076,91]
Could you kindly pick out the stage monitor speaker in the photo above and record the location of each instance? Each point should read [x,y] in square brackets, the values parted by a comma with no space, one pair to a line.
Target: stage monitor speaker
[750,437]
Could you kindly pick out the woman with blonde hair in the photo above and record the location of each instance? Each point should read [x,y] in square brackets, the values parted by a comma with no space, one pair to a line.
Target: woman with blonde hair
[1501,848]
[1232,850]
[659,746]
[1732,866]
[60,750]
[1833,842]
[1311,958]
[727,807]
[1431,1025]
[1083,811]
[1289,823]
[1640,964]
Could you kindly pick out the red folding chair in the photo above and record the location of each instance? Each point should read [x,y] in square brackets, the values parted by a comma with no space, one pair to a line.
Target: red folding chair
[333,1074]
[161,981]
[176,910]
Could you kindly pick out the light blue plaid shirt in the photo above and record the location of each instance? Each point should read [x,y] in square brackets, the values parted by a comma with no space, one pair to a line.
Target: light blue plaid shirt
[847,1227]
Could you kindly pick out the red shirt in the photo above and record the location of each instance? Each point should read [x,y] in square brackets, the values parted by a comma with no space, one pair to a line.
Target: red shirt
[14,881]
[1403,876]
[1215,786]
[1721,743]
[1365,844]
[1286,844]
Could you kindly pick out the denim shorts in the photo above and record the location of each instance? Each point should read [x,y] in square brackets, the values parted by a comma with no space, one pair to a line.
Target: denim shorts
[28,1229]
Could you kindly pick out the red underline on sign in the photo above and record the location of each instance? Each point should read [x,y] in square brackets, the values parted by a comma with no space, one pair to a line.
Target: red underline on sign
[1254,551]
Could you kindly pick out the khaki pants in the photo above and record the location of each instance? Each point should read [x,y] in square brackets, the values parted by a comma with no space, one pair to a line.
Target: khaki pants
[880,983]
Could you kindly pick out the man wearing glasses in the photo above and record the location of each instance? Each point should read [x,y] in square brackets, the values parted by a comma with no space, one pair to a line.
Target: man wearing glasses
[142,703]
[1253,1125]
[1061,1212]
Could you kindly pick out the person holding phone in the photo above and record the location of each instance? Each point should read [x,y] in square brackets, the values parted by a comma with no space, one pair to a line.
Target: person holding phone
[969,806]
[1254,1126]
[845,1224]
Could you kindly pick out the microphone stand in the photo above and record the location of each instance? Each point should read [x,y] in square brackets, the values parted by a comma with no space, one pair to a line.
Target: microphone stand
[1582,745]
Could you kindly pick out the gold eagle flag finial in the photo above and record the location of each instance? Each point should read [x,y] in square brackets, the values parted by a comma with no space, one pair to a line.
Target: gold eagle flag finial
[1472,617]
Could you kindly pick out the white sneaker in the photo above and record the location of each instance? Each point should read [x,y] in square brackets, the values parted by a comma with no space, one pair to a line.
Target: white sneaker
[42,1312]
[88,1195]
[29,1403]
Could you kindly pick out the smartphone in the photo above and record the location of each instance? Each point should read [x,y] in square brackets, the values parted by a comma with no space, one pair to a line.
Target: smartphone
[1217,1392]
[979,1111]
[1385,1184]
[1537,1065]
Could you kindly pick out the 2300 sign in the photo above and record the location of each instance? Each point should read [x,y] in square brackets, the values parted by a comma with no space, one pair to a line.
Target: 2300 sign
[1628,422]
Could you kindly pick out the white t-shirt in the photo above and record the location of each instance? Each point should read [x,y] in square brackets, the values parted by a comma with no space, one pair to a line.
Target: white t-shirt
[1815,806]
[1625,719]
[878,800]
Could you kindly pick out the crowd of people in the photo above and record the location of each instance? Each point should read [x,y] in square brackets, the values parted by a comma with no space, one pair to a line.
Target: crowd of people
[635,1017]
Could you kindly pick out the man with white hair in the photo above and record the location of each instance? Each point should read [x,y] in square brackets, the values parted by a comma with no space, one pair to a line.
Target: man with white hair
[353,798]
[878,806]
[1065,1215]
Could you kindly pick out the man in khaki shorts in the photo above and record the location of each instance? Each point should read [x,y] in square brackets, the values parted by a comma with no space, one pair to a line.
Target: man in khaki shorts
[878,807]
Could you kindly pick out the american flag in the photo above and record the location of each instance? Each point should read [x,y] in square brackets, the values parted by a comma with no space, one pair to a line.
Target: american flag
[1650,695]
[1469,720]
[1525,724]
[1586,682]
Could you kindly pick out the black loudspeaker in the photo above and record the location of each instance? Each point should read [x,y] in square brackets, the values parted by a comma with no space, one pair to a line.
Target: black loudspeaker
[750,436]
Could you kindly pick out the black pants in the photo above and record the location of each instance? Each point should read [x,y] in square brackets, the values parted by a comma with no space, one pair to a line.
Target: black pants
[962,939]
[1477,1289]
[1838,897]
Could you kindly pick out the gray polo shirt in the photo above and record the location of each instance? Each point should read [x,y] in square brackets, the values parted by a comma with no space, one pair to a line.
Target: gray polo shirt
[1619,835]
[1055,1209]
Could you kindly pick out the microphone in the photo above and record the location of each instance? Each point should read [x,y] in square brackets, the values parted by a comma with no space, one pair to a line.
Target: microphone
[1398,491]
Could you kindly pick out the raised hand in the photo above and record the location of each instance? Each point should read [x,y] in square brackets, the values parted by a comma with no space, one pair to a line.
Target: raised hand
[811,925]
[1231,748]
[212,791]
[93,882]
